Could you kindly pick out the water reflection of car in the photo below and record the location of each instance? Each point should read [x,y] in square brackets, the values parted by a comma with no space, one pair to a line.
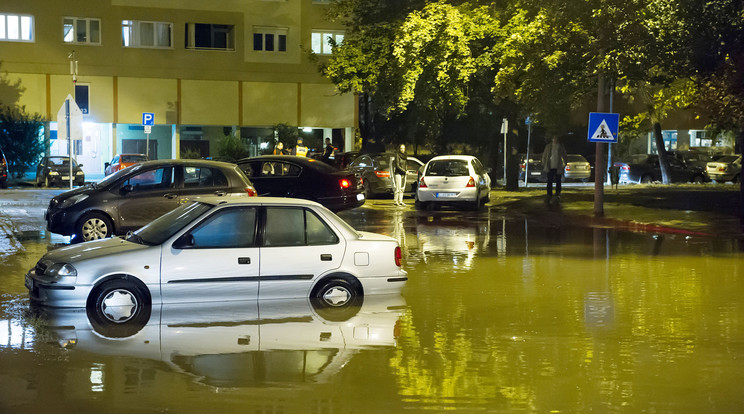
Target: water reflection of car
[375,171]
[130,198]
[122,161]
[460,238]
[577,168]
[454,179]
[3,170]
[646,169]
[725,168]
[238,344]
[55,172]
[222,249]
[301,177]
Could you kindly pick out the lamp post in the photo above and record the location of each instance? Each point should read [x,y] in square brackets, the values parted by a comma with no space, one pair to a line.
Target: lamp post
[527,121]
[73,72]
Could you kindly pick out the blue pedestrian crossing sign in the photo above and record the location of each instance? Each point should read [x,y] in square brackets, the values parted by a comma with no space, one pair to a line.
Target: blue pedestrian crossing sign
[603,127]
[148,118]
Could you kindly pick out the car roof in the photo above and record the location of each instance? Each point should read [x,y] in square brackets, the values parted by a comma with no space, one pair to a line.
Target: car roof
[146,164]
[293,158]
[452,157]
[257,201]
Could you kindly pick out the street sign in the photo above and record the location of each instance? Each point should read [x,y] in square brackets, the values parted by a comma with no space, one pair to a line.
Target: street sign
[148,129]
[148,118]
[603,127]
[75,121]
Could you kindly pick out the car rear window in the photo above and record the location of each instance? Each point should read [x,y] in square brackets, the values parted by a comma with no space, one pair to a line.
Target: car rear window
[576,158]
[133,158]
[448,168]
[728,158]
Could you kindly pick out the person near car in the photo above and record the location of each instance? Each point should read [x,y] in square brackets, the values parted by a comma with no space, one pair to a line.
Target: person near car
[300,149]
[327,151]
[554,161]
[399,175]
[279,149]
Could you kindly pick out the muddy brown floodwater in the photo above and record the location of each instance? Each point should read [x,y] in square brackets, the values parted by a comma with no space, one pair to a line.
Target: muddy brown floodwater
[501,314]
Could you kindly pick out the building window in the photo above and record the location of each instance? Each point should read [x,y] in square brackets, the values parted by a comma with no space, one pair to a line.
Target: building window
[269,39]
[210,36]
[323,39]
[321,1]
[81,30]
[135,33]
[16,28]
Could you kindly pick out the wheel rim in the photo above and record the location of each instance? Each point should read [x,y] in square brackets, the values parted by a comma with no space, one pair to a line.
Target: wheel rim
[119,305]
[94,229]
[337,296]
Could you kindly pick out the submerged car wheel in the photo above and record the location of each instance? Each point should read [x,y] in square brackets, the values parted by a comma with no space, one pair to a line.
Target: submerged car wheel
[646,179]
[94,226]
[337,292]
[119,308]
[698,179]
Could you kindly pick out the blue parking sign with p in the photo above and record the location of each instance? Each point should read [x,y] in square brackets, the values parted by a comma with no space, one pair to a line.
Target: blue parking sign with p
[148,118]
[603,127]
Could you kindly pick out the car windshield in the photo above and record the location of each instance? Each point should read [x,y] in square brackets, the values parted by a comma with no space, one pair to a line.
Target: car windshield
[60,161]
[448,168]
[133,158]
[109,179]
[165,226]
[382,161]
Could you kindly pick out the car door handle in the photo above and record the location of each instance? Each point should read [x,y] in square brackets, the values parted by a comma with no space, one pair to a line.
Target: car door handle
[170,196]
[244,260]
[326,257]
[219,193]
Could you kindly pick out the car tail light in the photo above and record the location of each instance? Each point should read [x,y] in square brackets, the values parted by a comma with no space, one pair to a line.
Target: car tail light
[398,256]
[626,168]
[521,166]
[471,182]
[722,168]
[251,191]
[422,183]
[568,167]
[344,183]
[382,174]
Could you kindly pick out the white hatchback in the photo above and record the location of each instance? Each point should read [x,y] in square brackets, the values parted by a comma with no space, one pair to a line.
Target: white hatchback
[222,250]
[456,179]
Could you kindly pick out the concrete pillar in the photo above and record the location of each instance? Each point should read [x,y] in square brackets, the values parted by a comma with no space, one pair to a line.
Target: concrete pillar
[349,139]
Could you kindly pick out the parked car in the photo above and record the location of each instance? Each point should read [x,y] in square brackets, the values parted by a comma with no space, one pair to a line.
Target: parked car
[342,160]
[577,168]
[454,179]
[646,169]
[55,172]
[375,171]
[301,177]
[130,198]
[3,170]
[122,161]
[222,249]
[692,157]
[534,169]
[725,168]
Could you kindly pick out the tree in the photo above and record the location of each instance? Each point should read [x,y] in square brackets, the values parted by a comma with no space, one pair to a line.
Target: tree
[21,138]
[232,148]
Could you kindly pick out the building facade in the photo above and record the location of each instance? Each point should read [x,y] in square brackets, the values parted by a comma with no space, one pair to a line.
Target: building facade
[204,69]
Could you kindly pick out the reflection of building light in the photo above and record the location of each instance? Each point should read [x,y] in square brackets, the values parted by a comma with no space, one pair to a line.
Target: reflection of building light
[96,378]
[18,337]
[307,129]
[263,145]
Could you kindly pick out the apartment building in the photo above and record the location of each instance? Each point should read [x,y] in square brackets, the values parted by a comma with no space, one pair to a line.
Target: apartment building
[203,68]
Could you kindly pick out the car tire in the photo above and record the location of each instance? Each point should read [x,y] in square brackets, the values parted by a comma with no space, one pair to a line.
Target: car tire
[698,179]
[647,179]
[46,181]
[93,226]
[119,308]
[337,313]
[337,292]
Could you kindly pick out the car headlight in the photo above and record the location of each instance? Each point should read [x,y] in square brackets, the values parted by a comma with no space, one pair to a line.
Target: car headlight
[60,270]
[79,173]
[53,173]
[73,200]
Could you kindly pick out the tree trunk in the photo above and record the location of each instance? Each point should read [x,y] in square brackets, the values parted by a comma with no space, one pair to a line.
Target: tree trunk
[741,185]
[666,177]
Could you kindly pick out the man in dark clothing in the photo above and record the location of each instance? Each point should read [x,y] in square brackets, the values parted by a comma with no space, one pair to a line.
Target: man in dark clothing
[327,151]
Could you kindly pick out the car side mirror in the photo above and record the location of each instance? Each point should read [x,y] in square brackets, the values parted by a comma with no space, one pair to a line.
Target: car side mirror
[185,241]
[106,165]
[80,165]
[126,189]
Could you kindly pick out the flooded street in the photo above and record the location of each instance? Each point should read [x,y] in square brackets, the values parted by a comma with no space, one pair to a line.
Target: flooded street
[501,314]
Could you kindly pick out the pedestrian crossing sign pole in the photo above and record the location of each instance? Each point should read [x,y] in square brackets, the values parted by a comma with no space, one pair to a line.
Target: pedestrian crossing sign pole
[603,127]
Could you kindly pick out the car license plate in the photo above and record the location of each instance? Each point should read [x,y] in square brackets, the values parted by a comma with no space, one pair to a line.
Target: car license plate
[29,283]
[360,197]
[442,195]
[535,173]
[64,177]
